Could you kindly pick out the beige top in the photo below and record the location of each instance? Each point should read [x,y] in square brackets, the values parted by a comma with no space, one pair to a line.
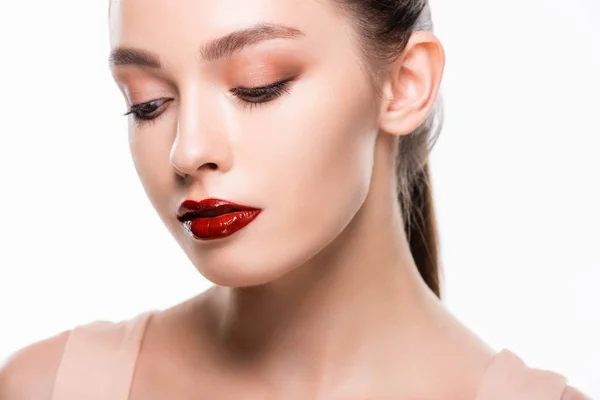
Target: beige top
[102,357]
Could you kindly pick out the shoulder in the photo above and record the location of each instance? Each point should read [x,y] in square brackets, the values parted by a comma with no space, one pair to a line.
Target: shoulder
[512,377]
[30,372]
[572,393]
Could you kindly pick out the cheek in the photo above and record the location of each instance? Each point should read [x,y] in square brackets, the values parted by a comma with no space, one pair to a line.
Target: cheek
[150,147]
[337,154]
[317,152]
[335,172]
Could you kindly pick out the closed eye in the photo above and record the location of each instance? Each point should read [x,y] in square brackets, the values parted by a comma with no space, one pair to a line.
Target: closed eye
[248,97]
[148,111]
[256,96]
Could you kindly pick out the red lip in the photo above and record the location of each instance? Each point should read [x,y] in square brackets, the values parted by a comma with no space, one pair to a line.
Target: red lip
[214,218]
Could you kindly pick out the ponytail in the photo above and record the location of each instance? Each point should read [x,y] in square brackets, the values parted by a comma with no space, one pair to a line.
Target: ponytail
[421,230]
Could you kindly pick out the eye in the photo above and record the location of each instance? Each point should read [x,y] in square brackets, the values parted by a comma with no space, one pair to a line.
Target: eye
[264,94]
[147,111]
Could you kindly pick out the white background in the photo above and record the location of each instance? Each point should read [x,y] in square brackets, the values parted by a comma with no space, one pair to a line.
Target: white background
[516,178]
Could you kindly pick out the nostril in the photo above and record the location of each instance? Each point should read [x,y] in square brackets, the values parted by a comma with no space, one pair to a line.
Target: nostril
[212,166]
[179,174]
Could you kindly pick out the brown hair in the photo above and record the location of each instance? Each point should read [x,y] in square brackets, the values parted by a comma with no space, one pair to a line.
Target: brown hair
[383,28]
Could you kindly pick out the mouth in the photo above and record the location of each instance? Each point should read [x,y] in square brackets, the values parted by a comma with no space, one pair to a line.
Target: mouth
[214,218]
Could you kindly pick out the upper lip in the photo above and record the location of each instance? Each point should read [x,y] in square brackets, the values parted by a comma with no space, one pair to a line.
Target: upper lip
[207,208]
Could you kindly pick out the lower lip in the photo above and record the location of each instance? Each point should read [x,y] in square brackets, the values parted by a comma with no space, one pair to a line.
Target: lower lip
[221,226]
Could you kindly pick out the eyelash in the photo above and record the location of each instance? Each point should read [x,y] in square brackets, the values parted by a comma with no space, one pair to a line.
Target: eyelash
[265,94]
[271,92]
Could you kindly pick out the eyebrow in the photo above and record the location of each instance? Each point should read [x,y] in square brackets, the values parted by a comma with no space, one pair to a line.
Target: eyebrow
[222,47]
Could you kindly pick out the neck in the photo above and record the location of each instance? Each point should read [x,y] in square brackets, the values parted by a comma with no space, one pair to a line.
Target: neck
[347,306]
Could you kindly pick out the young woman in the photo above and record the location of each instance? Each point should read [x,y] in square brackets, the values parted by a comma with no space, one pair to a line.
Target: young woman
[284,143]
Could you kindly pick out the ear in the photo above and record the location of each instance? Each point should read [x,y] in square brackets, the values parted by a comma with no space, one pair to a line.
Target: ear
[412,84]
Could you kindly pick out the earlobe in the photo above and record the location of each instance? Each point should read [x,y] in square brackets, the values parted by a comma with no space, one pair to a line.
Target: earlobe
[413,84]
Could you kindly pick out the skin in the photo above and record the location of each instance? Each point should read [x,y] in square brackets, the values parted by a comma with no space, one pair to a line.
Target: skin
[319,297]
[269,319]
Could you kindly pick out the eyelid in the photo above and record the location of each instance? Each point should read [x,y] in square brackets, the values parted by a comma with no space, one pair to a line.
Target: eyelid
[267,86]
[145,95]
[162,101]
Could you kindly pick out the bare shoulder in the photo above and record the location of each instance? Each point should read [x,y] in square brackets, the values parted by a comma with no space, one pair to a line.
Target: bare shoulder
[572,393]
[30,372]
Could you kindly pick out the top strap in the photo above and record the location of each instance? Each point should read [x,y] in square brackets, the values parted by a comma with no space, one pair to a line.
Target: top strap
[508,377]
[99,360]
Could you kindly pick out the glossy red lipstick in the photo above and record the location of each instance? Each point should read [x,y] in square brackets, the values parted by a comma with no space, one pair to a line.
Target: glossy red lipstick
[214,218]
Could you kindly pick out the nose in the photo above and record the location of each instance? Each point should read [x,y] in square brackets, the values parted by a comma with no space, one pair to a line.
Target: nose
[201,143]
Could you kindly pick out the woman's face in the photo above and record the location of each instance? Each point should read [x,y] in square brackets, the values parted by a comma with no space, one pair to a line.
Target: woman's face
[302,152]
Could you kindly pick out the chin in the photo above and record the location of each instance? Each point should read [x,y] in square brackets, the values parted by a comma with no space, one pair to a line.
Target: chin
[259,255]
[253,261]
[241,270]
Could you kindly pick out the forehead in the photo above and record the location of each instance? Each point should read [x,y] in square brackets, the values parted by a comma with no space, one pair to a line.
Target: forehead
[164,24]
